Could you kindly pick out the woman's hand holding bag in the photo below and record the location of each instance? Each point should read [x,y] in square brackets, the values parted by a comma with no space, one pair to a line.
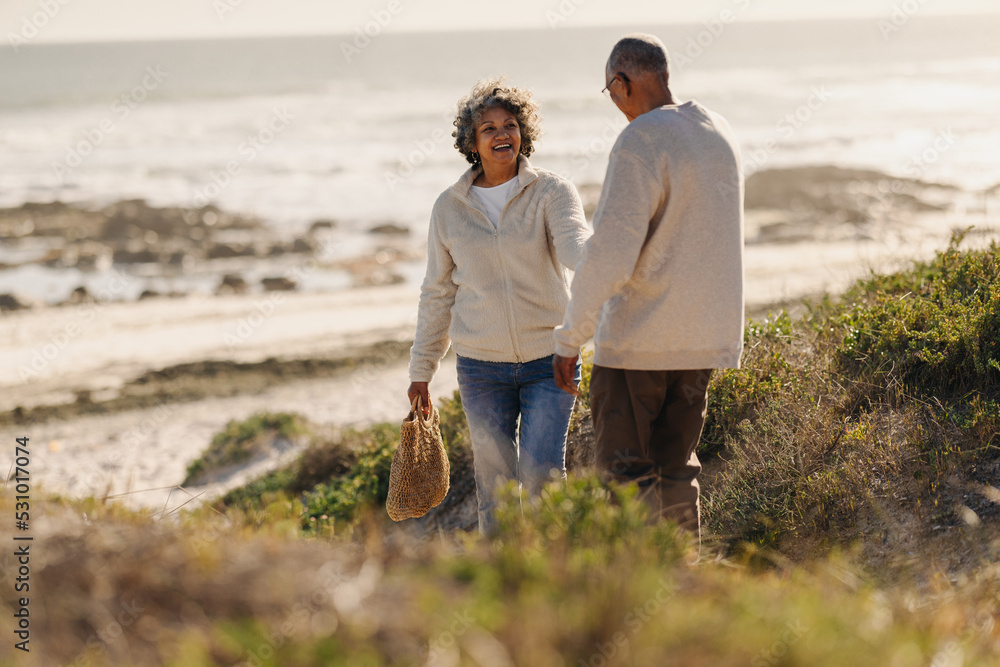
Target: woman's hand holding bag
[420,474]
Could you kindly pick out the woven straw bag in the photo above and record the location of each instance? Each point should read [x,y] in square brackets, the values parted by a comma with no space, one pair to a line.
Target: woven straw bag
[420,472]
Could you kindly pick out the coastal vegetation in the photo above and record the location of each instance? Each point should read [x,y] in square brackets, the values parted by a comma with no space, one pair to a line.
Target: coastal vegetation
[850,515]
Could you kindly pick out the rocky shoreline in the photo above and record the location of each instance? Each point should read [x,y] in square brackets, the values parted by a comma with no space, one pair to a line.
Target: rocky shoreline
[174,251]
[221,251]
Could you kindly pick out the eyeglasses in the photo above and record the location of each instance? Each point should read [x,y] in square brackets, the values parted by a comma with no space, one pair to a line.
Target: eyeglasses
[606,89]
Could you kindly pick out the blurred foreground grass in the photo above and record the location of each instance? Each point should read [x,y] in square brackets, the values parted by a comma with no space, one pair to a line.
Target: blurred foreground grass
[577,578]
[849,510]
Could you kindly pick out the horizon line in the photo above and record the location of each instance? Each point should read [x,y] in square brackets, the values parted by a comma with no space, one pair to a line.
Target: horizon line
[432,31]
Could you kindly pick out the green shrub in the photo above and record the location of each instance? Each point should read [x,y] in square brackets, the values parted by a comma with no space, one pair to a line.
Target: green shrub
[933,329]
[242,439]
[328,456]
[366,483]
[249,496]
[581,514]
[454,429]
[339,474]
[765,376]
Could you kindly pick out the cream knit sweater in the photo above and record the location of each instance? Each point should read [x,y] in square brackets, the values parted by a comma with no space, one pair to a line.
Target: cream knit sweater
[496,294]
[661,281]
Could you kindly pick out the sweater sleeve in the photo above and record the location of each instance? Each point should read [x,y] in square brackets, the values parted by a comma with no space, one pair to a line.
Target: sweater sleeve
[567,224]
[437,296]
[630,198]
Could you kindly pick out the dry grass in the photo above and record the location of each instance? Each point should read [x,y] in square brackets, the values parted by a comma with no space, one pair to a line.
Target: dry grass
[579,577]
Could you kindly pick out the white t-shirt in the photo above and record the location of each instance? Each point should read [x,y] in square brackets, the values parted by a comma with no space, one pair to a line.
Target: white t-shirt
[493,199]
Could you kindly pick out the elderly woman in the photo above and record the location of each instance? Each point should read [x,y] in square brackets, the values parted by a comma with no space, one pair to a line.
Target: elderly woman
[500,241]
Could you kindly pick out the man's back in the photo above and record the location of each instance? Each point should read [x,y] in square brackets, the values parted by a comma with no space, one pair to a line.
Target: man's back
[667,247]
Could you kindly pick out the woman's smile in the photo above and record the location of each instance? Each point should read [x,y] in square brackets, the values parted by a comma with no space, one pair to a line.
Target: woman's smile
[498,140]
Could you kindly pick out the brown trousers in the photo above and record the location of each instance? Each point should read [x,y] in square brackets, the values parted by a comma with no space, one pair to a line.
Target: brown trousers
[647,425]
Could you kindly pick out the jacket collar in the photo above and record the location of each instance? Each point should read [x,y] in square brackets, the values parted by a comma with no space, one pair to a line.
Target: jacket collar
[525,175]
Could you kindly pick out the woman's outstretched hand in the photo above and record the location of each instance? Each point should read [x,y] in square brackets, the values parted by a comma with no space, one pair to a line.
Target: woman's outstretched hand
[564,370]
[420,389]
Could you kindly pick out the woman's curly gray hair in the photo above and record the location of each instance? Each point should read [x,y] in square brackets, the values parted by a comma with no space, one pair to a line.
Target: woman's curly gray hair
[489,94]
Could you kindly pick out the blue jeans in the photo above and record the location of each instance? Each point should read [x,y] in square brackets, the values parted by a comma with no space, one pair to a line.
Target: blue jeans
[494,395]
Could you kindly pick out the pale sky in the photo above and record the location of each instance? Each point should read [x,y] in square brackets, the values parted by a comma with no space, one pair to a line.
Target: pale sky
[97,20]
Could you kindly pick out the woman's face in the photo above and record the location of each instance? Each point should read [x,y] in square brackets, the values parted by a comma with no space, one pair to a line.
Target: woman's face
[498,139]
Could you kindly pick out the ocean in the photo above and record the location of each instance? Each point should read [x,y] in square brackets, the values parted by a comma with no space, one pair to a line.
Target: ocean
[357,131]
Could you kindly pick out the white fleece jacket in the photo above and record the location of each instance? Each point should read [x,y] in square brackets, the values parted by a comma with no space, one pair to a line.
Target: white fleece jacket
[661,281]
[496,294]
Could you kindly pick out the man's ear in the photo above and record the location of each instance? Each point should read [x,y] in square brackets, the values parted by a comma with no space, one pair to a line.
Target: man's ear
[627,86]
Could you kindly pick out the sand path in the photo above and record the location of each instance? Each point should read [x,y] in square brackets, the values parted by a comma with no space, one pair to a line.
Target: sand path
[100,348]
[141,451]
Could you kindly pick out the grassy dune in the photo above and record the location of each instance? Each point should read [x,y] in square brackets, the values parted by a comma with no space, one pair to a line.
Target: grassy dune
[850,516]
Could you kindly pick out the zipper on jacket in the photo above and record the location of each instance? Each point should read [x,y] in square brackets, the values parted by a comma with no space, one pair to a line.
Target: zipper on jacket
[503,271]
[508,294]
[511,319]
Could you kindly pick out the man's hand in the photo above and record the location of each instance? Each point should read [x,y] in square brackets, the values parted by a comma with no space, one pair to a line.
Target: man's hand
[564,369]
[420,388]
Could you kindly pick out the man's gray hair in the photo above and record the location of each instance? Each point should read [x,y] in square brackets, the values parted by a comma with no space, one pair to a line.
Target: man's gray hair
[639,52]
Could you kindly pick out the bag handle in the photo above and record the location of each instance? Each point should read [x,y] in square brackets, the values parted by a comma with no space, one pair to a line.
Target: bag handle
[416,409]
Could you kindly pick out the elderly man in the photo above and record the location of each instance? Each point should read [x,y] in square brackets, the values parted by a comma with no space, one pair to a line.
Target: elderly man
[661,283]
